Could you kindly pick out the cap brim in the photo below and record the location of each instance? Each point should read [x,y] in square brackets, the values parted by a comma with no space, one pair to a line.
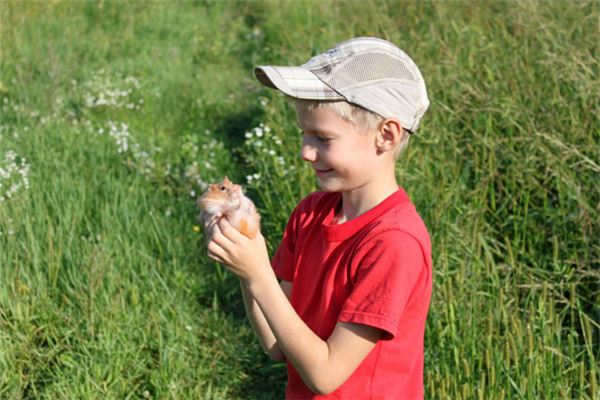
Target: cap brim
[296,82]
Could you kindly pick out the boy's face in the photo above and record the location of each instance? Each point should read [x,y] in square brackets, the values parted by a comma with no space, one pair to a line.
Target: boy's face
[343,157]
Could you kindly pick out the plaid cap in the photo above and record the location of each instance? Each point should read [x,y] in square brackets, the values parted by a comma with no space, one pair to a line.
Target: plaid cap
[370,72]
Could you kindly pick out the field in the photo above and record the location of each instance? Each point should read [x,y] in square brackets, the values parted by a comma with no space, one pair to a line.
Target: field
[115,115]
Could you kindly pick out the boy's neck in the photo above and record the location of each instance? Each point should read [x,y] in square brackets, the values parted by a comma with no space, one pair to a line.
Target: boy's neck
[361,200]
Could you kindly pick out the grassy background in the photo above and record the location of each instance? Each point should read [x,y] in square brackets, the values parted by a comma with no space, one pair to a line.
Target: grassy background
[115,114]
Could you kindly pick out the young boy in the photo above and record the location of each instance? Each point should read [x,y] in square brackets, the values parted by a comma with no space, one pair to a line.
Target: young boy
[348,314]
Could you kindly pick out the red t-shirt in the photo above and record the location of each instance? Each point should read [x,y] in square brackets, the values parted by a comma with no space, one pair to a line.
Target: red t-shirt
[373,270]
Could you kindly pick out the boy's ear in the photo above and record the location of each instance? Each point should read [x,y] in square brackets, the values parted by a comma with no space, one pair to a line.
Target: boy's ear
[389,134]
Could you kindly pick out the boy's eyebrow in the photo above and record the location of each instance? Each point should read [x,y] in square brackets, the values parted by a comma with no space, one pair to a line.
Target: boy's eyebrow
[321,132]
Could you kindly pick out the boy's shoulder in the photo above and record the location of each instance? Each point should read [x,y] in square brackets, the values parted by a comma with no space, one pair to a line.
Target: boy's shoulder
[394,209]
[396,215]
[400,223]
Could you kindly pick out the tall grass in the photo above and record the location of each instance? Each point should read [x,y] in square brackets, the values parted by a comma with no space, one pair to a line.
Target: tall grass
[114,115]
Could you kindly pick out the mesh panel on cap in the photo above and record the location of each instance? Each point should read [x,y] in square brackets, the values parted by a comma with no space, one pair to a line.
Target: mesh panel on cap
[364,68]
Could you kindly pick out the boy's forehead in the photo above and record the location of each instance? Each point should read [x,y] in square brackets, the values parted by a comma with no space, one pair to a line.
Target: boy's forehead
[319,119]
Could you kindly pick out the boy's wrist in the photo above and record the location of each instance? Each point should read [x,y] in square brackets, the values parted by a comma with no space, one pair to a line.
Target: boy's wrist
[260,281]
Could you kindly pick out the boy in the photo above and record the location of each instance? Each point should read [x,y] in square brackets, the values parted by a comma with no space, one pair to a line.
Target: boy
[348,315]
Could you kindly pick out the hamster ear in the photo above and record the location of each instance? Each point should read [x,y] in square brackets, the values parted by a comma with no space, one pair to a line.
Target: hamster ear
[226,179]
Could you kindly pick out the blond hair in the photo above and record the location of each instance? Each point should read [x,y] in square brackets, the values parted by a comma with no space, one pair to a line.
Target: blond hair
[354,114]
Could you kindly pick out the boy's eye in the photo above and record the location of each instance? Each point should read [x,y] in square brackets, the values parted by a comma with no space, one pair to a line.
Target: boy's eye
[315,136]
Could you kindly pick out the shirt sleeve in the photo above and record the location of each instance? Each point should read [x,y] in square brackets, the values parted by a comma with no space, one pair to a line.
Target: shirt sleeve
[389,271]
[283,261]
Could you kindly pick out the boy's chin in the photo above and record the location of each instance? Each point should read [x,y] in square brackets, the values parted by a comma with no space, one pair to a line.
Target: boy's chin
[329,185]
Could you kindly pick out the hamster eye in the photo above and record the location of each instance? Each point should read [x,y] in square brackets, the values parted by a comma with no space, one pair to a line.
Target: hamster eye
[222,188]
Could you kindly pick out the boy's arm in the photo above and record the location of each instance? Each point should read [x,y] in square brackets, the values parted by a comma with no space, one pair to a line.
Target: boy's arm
[260,324]
[323,364]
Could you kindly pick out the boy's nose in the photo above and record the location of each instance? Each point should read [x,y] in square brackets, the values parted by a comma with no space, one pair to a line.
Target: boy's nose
[308,153]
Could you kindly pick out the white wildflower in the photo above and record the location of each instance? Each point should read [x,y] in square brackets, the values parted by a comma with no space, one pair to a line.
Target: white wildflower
[126,144]
[14,175]
[202,185]
[103,90]
[9,231]
[191,172]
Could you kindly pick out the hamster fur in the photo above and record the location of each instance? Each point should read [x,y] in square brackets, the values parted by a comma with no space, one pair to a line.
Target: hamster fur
[227,199]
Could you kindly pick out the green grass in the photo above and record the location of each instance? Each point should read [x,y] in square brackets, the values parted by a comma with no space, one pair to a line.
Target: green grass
[105,287]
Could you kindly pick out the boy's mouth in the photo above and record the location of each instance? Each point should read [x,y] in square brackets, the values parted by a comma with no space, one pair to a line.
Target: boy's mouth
[322,172]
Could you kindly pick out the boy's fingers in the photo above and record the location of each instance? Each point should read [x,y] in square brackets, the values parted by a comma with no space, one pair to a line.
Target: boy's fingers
[259,237]
[219,238]
[228,230]
[216,252]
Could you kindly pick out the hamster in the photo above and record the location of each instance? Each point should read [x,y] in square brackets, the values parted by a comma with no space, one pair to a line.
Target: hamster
[227,199]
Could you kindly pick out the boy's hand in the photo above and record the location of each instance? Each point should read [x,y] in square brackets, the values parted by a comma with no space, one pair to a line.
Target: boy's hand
[208,221]
[247,258]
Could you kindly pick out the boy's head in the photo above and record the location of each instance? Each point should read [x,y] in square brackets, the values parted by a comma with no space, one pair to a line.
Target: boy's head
[370,73]
[365,120]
